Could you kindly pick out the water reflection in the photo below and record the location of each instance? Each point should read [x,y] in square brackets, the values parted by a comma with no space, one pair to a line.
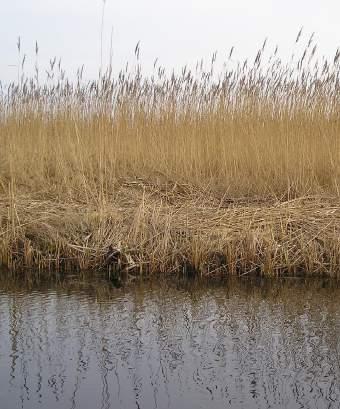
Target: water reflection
[238,345]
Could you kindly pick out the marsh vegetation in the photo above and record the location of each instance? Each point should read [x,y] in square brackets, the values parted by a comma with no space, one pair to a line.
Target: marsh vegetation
[196,171]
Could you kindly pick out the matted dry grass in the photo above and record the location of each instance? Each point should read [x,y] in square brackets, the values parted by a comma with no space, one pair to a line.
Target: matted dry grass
[140,232]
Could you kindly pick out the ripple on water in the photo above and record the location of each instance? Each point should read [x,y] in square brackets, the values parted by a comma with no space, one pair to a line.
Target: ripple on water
[156,346]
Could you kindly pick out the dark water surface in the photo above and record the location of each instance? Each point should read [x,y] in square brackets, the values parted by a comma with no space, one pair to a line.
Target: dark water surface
[268,344]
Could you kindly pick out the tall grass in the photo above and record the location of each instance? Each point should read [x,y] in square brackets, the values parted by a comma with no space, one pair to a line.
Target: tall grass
[146,145]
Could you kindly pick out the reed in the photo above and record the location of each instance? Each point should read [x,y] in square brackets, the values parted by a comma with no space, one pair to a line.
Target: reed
[232,172]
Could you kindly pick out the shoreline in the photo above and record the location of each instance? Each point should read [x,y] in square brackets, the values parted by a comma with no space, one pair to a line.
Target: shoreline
[146,230]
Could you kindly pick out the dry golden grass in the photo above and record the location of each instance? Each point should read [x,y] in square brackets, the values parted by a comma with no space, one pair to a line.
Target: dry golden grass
[232,173]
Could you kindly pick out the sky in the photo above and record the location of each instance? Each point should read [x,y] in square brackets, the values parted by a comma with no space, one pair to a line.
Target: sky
[177,32]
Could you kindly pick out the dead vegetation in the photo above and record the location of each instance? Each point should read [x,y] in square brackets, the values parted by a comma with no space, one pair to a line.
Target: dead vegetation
[197,172]
[140,233]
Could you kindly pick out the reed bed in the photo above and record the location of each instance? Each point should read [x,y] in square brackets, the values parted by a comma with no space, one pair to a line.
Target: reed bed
[201,172]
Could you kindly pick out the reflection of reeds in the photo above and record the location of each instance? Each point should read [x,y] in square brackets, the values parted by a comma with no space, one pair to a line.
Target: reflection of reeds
[159,337]
[193,171]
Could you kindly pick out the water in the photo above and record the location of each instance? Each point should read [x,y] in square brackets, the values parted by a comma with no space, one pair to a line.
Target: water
[268,344]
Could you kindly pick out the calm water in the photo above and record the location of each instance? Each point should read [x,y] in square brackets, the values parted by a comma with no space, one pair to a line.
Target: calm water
[237,345]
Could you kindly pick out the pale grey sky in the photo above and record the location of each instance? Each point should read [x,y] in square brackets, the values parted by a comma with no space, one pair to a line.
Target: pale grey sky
[176,31]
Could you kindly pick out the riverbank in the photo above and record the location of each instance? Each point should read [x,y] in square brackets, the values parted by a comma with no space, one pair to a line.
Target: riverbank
[170,229]
[189,172]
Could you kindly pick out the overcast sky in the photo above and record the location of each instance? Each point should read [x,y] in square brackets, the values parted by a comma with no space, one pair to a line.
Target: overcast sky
[176,31]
